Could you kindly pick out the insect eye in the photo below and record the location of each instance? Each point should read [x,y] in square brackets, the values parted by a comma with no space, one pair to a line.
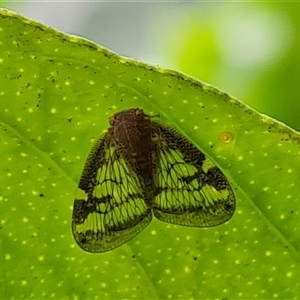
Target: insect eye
[112,121]
[139,113]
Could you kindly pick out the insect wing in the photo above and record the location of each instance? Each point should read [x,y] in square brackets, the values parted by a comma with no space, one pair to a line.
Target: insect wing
[192,191]
[109,209]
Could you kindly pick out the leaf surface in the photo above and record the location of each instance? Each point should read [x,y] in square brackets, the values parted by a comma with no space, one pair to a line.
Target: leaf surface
[56,94]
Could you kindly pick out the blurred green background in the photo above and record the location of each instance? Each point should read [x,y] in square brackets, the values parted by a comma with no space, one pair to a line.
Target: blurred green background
[250,50]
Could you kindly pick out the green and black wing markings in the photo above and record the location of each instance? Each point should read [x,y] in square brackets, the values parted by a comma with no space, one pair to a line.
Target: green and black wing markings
[111,208]
[193,191]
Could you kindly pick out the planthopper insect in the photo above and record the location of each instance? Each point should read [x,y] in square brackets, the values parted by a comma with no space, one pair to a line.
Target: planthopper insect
[140,168]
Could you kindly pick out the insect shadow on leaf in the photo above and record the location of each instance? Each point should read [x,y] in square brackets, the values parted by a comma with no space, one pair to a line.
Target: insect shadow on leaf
[140,168]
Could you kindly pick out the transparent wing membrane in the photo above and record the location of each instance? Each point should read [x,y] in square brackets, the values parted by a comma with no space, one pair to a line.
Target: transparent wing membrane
[113,210]
[193,191]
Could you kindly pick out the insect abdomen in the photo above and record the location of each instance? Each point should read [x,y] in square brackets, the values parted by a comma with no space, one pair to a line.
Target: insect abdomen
[135,144]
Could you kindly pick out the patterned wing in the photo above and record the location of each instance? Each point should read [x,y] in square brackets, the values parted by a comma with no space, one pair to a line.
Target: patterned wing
[109,209]
[192,191]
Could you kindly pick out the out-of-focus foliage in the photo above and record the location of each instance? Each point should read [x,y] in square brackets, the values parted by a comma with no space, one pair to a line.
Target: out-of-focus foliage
[251,49]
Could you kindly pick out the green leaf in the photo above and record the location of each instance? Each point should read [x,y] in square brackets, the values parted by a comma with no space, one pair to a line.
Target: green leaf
[56,94]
